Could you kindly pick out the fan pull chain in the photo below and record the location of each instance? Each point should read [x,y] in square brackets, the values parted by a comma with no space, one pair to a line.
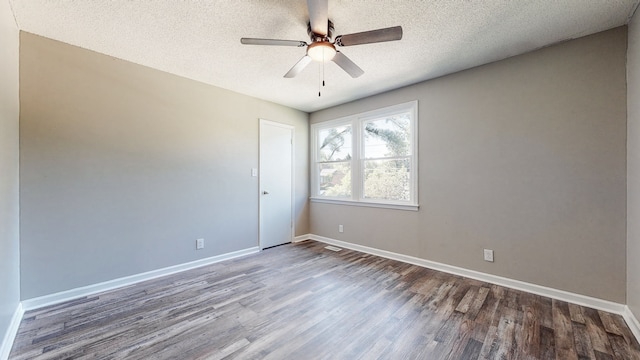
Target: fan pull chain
[319,77]
[323,61]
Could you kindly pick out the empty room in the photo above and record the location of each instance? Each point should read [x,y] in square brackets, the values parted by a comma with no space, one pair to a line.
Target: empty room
[319,179]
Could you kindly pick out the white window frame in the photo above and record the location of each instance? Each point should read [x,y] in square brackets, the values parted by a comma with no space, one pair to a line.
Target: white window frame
[357,160]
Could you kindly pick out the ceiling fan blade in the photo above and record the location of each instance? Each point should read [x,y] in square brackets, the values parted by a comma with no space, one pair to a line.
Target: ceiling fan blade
[347,65]
[368,37]
[275,42]
[299,66]
[319,16]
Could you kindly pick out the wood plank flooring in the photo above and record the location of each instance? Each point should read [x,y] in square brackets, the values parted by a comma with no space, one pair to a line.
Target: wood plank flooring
[302,301]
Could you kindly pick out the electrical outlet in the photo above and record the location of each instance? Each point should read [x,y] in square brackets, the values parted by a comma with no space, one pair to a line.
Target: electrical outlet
[340,228]
[488,255]
[199,244]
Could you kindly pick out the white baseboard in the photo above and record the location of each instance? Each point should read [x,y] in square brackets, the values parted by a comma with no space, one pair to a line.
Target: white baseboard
[12,331]
[578,299]
[42,301]
[302,238]
[632,322]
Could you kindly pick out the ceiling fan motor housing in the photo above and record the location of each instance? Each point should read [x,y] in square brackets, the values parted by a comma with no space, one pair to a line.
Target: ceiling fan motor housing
[320,37]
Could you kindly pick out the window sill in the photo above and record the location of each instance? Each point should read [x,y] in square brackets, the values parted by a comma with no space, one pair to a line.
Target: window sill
[366,204]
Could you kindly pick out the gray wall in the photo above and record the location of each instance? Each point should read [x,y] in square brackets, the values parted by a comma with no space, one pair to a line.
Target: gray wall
[633,167]
[123,167]
[525,156]
[9,223]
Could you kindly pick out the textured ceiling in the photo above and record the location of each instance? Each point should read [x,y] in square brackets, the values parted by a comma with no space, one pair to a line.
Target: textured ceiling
[200,40]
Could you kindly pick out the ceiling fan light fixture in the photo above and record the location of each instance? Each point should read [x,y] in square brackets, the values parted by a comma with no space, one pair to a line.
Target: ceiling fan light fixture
[321,51]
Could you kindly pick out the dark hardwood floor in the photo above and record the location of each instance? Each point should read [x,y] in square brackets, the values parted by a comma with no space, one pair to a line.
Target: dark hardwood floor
[302,301]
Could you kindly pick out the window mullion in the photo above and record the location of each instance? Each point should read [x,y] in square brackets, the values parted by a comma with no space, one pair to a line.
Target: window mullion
[356,173]
[315,173]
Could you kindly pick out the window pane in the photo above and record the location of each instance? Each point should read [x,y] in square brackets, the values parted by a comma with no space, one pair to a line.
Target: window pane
[387,180]
[335,179]
[387,137]
[335,144]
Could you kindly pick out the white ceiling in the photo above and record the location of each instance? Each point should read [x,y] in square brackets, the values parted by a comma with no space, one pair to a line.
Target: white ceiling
[200,40]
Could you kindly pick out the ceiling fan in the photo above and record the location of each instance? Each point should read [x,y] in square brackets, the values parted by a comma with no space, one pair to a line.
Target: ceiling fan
[322,48]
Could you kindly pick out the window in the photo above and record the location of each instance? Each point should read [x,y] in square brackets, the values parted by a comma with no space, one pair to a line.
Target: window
[368,159]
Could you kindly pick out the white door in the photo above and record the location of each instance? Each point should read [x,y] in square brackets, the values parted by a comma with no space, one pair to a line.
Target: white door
[276,184]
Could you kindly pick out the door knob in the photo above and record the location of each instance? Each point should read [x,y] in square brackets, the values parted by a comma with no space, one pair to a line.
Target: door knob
[265,193]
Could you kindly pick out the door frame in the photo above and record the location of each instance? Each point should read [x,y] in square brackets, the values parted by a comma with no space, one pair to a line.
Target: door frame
[291,128]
